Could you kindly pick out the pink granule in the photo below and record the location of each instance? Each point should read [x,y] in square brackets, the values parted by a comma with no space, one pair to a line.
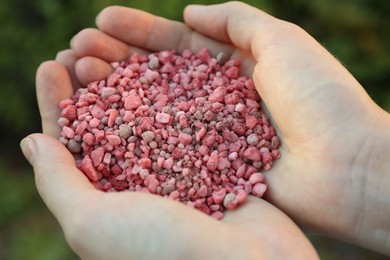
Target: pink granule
[186,127]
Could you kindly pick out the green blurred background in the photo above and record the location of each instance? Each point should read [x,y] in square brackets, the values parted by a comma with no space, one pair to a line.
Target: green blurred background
[355,31]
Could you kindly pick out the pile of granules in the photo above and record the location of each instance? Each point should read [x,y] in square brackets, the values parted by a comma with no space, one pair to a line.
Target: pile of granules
[186,127]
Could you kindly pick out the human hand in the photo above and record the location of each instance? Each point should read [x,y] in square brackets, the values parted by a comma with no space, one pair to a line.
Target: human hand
[332,174]
[126,225]
[136,225]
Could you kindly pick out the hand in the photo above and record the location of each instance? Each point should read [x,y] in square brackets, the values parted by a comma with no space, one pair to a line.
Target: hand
[135,225]
[126,225]
[333,175]
[334,172]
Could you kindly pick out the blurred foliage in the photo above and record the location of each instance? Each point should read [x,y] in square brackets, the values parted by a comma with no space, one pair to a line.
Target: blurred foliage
[355,31]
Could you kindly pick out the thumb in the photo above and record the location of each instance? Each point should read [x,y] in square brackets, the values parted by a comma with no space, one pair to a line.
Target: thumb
[61,185]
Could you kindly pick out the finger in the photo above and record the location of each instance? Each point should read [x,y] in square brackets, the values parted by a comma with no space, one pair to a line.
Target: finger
[95,43]
[293,71]
[68,58]
[261,219]
[89,69]
[61,185]
[234,22]
[53,84]
[138,28]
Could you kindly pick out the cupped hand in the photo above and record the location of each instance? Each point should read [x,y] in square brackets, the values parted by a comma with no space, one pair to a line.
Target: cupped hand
[136,225]
[334,172]
[127,225]
[332,132]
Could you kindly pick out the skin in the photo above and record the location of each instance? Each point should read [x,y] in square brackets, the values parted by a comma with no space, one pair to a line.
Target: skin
[333,176]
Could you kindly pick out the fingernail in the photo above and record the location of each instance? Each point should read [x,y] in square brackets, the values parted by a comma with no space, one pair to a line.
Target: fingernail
[28,148]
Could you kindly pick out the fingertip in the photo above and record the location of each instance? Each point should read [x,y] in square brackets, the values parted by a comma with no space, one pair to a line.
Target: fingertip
[40,144]
[27,145]
[188,13]
[95,43]
[208,20]
[100,16]
[232,22]
[48,70]
[44,67]
[107,13]
[83,37]
[89,69]
[191,9]
[61,55]
[49,76]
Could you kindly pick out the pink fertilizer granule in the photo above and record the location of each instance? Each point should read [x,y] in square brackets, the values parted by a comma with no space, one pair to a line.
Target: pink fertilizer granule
[186,127]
